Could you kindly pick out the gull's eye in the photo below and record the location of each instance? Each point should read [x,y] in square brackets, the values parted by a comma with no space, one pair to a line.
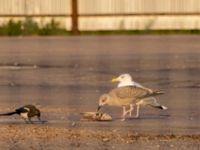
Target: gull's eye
[103,100]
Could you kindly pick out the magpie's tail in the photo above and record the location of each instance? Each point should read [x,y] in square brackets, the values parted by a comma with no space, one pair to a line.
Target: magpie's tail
[8,114]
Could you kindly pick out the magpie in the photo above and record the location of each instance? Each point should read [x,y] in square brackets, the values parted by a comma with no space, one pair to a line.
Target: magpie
[26,112]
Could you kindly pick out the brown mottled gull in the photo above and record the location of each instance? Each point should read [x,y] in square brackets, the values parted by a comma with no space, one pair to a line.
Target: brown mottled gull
[130,96]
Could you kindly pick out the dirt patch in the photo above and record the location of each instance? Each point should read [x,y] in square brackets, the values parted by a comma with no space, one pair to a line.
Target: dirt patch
[44,137]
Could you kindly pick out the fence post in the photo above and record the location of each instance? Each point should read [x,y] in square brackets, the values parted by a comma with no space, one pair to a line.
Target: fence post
[74,17]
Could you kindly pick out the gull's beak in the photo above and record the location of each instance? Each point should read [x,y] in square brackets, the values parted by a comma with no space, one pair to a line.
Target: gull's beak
[98,108]
[114,80]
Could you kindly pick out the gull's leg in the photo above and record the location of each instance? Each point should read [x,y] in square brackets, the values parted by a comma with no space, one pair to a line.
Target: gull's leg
[131,109]
[124,110]
[137,112]
[124,113]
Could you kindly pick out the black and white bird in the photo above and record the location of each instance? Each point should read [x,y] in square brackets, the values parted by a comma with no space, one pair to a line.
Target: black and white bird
[26,112]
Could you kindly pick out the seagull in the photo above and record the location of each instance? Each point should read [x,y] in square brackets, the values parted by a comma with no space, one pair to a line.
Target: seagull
[125,80]
[129,96]
[26,112]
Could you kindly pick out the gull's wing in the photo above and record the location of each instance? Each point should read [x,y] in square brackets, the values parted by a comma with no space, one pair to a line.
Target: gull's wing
[129,92]
[133,92]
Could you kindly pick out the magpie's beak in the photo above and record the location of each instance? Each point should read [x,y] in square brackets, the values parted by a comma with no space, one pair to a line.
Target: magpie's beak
[98,108]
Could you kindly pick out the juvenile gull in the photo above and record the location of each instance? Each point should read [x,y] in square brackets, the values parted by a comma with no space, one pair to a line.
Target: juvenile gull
[126,80]
[129,96]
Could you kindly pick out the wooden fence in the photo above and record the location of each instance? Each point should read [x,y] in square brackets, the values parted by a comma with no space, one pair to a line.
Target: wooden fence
[78,15]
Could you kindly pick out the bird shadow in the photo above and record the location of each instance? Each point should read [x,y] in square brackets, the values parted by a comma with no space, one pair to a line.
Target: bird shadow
[150,117]
[40,122]
[12,122]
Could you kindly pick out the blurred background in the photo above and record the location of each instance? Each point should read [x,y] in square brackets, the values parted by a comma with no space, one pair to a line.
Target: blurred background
[64,16]
[67,74]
